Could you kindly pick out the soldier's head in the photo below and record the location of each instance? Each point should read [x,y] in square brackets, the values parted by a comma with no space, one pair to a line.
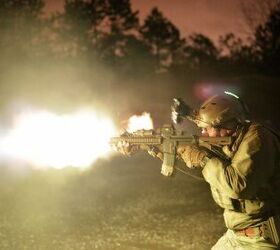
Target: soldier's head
[220,115]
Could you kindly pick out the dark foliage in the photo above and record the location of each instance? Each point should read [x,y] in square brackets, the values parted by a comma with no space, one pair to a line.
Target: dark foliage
[267,43]
[162,37]
[108,33]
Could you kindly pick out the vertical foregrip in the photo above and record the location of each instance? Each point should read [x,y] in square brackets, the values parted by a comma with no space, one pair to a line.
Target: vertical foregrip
[169,157]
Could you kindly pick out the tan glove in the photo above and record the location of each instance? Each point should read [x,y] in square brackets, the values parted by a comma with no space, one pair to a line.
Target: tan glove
[153,151]
[126,149]
[192,156]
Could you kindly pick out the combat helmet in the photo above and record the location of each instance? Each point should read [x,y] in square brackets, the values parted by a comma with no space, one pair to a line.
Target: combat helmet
[221,110]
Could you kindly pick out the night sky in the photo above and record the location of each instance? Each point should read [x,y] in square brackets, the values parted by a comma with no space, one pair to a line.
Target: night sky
[210,17]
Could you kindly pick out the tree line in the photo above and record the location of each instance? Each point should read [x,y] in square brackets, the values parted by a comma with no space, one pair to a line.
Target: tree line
[109,31]
[109,34]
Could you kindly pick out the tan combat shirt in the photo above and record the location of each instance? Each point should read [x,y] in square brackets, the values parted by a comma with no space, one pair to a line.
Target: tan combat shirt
[245,186]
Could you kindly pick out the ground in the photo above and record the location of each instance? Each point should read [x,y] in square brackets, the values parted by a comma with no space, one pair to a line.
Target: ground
[121,203]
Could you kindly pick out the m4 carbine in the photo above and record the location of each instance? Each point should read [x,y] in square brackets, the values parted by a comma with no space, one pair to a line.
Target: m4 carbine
[168,139]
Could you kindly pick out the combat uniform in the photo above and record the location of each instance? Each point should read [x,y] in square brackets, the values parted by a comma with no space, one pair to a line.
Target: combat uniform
[246,184]
[247,187]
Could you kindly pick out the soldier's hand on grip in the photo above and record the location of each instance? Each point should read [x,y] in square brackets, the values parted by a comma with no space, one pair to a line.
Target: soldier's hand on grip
[155,152]
[192,156]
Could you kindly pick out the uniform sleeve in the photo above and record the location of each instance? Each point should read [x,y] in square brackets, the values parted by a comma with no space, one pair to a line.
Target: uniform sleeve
[250,168]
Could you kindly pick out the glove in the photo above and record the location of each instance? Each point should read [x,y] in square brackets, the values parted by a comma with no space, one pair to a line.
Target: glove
[126,149]
[156,152]
[153,151]
[192,156]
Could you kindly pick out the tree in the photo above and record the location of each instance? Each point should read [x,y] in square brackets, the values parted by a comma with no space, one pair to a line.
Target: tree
[256,12]
[267,42]
[77,29]
[200,52]
[96,27]
[119,25]
[162,37]
[136,59]
[235,55]
[121,18]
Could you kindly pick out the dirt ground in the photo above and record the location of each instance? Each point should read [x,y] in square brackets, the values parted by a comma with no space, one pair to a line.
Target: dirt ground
[121,203]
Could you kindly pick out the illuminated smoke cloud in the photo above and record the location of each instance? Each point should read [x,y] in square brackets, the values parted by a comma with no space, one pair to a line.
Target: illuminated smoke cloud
[143,121]
[45,139]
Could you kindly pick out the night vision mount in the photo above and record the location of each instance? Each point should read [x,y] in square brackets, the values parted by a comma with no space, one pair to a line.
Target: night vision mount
[180,111]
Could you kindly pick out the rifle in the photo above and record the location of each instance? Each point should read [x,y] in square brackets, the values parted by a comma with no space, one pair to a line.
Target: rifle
[168,139]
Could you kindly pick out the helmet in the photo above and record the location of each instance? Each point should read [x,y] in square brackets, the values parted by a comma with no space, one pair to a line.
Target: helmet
[219,110]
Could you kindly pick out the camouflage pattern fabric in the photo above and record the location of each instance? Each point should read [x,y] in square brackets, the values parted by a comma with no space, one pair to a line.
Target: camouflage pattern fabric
[231,241]
[245,187]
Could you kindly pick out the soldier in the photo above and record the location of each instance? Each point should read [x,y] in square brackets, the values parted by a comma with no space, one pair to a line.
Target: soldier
[247,186]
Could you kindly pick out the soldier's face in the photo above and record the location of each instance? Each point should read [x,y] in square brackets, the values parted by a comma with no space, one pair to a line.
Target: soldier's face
[216,132]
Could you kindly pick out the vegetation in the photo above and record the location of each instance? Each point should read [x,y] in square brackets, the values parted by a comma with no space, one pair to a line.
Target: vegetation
[95,37]
[106,30]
